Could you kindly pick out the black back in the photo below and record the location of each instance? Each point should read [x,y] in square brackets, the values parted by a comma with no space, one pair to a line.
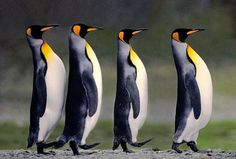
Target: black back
[82,97]
[39,95]
[126,93]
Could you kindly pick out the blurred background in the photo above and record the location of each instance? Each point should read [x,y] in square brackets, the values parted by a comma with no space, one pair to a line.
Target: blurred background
[216,46]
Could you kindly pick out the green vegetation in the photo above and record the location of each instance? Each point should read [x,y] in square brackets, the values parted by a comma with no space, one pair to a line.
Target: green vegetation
[217,135]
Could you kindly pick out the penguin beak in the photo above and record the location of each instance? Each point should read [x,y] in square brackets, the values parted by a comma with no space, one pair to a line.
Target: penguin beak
[94,28]
[138,31]
[48,27]
[194,31]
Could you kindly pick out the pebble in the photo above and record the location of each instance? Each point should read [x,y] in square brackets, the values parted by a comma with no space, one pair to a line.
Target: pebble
[108,154]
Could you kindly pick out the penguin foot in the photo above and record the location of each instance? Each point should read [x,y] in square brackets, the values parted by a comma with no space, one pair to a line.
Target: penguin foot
[50,144]
[85,147]
[140,144]
[44,153]
[59,144]
[128,151]
[40,149]
[74,148]
[193,146]
[175,147]
[124,147]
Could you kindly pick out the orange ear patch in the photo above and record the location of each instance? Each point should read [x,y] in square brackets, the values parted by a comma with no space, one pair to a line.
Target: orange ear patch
[28,32]
[76,29]
[175,36]
[121,36]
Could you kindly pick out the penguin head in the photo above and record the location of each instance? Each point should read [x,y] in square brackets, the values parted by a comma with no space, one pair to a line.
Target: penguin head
[181,34]
[126,34]
[82,29]
[36,31]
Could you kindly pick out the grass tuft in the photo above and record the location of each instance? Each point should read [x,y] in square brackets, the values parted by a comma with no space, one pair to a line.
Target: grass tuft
[217,135]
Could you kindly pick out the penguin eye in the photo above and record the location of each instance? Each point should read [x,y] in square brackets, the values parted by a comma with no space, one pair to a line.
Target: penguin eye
[176,36]
[28,32]
[76,30]
[121,36]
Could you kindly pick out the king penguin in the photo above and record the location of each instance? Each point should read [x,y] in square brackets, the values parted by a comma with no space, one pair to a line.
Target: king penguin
[131,93]
[48,88]
[194,99]
[84,97]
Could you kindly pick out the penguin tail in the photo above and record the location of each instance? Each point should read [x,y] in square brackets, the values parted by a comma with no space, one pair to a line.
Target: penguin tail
[85,146]
[116,144]
[140,144]
[30,144]
[31,140]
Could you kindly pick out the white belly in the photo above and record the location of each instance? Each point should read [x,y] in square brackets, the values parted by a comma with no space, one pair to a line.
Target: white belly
[90,122]
[142,84]
[204,82]
[55,82]
[205,86]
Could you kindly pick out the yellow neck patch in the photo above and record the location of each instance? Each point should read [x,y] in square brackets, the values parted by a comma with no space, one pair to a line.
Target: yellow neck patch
[175,36]
[197,60]
[47,52]
[90,53]
[76,29]
[134,58]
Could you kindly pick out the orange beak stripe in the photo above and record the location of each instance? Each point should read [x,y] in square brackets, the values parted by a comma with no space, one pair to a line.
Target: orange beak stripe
[46,28]
[191,32]
[136,32]
[91,29]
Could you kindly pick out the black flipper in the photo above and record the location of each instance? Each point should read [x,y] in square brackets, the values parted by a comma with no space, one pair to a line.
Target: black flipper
[91,92]
[38,103]
[140,144]
[85,147]
[194,93]
[134,95]
[40,84]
